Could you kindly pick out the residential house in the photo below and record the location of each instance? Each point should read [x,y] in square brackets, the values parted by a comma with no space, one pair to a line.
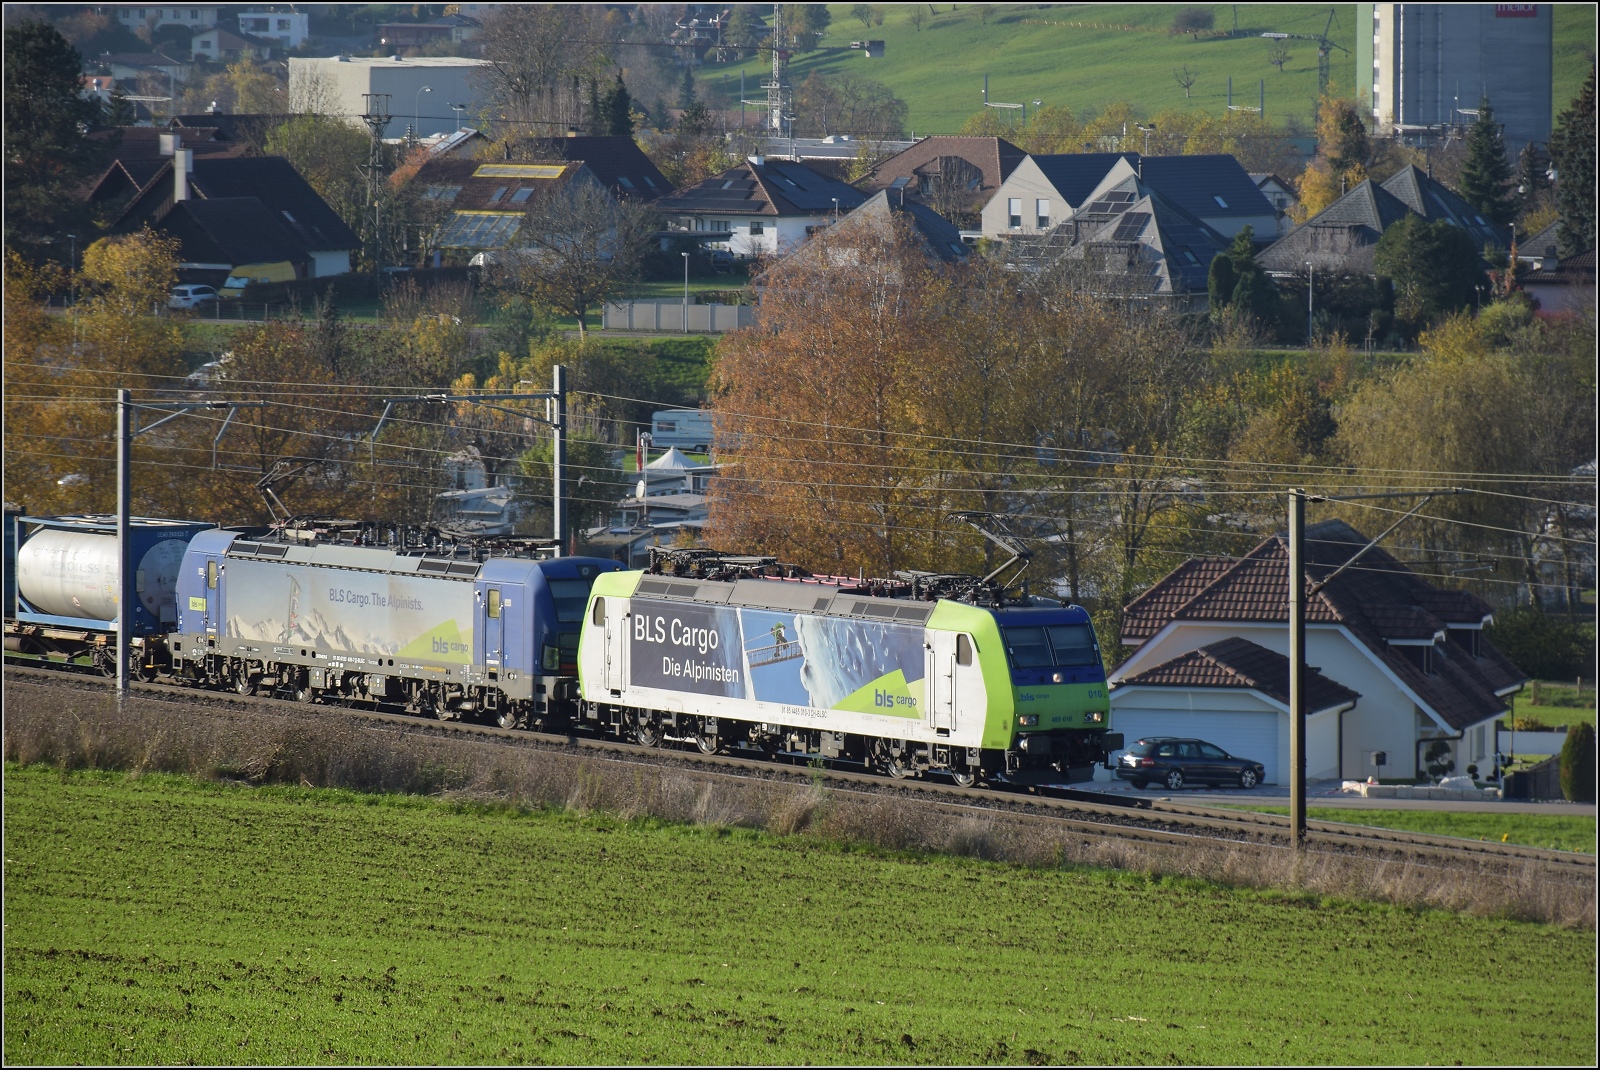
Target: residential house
[760,207]
[956,176]
[1562,287]
[1044,190]
[142,152]
[1233,693]
[1342,238]
[224,46]
[1128,240]
[129,67]
[1541,249]
[1281,196]
[398,36]
[288,27]
[1412,653]
[489,198]
[882,217]
[313,237]
[196,17]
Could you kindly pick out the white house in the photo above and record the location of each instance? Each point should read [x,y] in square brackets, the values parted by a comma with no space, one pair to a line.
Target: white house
[288,27]
[763,206]
[1042,191]
[196,18]
[1413,653]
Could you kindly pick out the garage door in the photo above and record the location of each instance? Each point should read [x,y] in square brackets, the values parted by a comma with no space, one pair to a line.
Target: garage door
[1251,735]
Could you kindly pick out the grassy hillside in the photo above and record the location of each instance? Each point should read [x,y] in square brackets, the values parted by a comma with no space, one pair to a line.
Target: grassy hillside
[158,920]
[1085,56]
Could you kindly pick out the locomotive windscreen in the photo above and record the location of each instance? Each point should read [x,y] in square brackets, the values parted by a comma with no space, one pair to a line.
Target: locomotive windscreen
[1054,644]
[571,598]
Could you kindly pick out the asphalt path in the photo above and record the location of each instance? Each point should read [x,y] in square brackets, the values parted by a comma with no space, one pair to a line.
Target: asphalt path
[1326,793]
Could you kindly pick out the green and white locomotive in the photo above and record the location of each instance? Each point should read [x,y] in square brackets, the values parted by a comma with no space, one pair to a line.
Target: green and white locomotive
[908,676]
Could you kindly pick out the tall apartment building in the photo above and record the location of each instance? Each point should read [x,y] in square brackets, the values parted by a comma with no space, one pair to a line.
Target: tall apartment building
[1419,65]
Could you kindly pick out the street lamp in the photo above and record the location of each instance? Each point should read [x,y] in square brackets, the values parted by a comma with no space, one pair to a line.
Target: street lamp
[685,292]
[1148,130]
[1311,285]
[835,201]
[416,110]
[458,109]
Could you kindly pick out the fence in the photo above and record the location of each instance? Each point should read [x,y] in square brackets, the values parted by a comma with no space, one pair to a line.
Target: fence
[1509,742]
[674,316]
[1542,781]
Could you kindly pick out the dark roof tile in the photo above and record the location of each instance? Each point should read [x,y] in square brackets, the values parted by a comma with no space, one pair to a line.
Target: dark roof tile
[1242,664]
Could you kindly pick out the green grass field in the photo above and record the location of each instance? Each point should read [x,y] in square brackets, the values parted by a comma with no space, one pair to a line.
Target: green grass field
[163,920]
[1031,53]
[1558,704]
[1558,832]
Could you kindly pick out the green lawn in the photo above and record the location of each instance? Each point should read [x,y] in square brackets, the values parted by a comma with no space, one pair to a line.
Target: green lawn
[1031,54]
[1556,831]
[1558,704]
[162,920]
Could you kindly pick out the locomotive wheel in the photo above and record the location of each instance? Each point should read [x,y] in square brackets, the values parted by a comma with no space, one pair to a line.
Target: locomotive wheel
[965,777]
[707,743]
[896,765]
[106,662]
[244,683]
[646,734]
[508,718]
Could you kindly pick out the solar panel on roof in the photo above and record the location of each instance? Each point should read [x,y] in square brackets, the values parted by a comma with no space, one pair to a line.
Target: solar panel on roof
[1130,226]
[900,183]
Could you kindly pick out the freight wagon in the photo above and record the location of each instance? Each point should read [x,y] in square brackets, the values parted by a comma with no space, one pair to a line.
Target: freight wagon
[824,668]
[62,592]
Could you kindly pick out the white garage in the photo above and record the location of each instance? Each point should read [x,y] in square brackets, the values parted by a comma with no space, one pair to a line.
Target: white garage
[1253,734]
[1233,694]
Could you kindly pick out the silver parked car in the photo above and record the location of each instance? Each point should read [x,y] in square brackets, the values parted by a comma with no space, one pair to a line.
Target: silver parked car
[191,295]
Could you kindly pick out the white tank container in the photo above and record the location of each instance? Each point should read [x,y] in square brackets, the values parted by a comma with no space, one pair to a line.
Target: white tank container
[74,574]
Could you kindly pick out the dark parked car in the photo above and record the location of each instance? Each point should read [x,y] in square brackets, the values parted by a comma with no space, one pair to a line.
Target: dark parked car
[1176,762]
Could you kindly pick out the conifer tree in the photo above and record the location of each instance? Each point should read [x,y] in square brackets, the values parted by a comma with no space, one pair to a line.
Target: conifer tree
[1486,176]
[1573,147]
[616,111]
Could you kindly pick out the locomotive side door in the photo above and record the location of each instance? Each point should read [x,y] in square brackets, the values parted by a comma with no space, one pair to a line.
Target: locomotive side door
[615,630]
[942,680]
[210,600]
[491,609]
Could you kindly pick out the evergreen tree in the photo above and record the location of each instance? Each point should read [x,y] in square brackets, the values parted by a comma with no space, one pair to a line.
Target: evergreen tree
[1433,266]
[687,97]
[45,122]
[616,111]
[597,121]
[1221,280]
[1573,147]
[1234,279]
[121,112]
[1486,175]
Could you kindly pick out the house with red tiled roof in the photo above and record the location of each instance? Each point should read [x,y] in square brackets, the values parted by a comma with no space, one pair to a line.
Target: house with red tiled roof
[1399,664]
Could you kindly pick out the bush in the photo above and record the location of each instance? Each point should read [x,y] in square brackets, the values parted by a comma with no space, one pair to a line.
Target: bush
[1193,19]
[1541,645]
[1578,764]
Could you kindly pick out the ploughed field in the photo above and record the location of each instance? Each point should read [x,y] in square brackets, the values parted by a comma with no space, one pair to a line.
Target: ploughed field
[171,920]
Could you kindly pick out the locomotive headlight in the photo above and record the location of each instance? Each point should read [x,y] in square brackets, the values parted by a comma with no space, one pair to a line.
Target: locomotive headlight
[552,658]
[1028,720]
[1055,678]
[1095,716]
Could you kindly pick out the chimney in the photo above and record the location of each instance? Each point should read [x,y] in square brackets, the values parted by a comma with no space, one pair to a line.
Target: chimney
[182,164]
[757,160]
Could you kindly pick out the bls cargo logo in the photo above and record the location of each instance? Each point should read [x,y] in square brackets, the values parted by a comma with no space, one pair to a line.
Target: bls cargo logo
[687,648]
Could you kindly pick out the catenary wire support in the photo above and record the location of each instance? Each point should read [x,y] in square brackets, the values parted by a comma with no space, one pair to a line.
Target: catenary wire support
[555,417]
[1299,593]
[127,430]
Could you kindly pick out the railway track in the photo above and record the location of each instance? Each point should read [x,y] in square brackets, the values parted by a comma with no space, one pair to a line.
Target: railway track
[1073,810]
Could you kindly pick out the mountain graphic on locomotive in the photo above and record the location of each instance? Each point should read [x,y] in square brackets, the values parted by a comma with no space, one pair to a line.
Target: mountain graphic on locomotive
[922,673]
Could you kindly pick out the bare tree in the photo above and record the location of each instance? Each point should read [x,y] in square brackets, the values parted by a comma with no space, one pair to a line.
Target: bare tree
[577,247]
[1186,78]
[1278,57]
[916,18]
[540,59]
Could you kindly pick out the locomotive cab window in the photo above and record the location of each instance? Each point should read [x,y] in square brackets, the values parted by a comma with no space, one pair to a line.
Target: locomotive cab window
[599,615]
[1055,644]
[494,603]
[570,597]
[963,650]
[211,575]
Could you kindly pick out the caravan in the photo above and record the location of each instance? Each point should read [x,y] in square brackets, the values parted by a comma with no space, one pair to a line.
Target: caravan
[687,429]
